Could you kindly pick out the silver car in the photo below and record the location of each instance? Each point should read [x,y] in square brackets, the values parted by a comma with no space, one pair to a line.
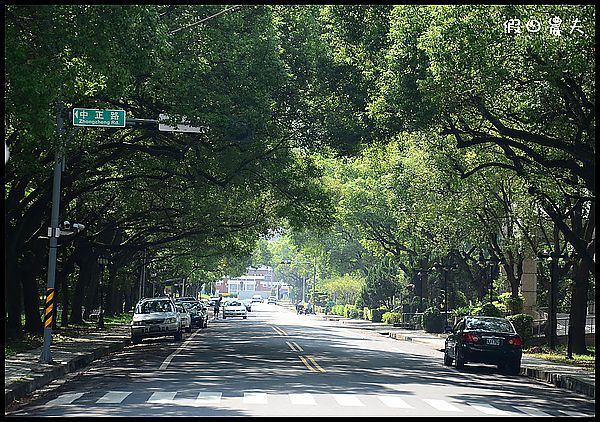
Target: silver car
[155,317]
[235,308]
[186,317]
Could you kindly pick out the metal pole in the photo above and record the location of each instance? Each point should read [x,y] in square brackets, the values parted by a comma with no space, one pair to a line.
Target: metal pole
[552,303]
[491,280]
[314,282]
[446,297]
[421,292]
[46,356]
[101,315]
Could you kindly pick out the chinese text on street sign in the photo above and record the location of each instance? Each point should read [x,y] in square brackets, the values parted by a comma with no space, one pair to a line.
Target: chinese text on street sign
[98,118]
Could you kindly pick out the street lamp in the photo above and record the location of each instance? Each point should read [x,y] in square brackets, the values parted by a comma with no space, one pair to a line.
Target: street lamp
[314,264]
[492,262]
[420,272]
[102,261]
[553,258]
[446,269]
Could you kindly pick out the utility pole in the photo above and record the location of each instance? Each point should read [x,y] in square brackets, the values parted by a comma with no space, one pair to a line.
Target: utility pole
[53,232]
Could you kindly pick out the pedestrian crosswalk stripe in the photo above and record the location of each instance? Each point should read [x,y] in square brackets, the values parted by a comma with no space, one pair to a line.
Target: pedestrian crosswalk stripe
[531,411]
[395,402]
[576,414]
[162,397]
[255,398]
[442,405]
[302,398]
[64,399]
[488,409]
[113,397]
[209,397]
[347,400]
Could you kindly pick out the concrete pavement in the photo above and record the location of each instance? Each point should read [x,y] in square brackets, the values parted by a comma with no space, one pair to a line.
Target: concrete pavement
[24,374]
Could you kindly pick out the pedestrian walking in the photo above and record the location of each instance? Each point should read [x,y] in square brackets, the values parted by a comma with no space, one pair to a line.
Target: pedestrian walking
[216,307]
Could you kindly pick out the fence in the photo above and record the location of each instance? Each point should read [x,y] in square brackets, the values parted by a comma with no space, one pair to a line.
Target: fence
[562,326]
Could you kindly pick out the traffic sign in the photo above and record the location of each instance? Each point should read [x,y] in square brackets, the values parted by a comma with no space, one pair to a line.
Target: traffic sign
[165,126]
[98,118]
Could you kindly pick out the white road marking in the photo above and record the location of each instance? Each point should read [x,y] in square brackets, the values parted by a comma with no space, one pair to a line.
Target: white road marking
[172,355]
[209,397]
[302,398]
[113,397]
[576,414]
[532,411]
[442,405]
[162,397]
[64,399]
[255,398]
[488,409]
[395,402]
[347,400]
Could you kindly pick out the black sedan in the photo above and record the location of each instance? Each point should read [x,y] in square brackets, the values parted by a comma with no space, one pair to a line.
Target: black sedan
[482,339]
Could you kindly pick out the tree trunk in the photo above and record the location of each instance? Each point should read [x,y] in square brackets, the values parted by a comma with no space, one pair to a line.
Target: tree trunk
[31,268]
[12,297]
[578,313]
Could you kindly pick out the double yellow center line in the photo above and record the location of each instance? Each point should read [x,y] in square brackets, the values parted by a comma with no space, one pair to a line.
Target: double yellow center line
[308,361]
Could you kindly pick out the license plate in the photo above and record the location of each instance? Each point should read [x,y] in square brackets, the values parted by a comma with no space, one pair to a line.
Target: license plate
[493,341]
[155,328]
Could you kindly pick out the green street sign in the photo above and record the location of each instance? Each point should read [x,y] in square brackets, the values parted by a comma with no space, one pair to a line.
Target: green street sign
[98,118]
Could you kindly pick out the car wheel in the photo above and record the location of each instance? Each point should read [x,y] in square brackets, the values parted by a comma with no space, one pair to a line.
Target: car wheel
[245,317]
[447,359]
[460,362]
[178,335]
[136,339]
[512,368]
[188,329]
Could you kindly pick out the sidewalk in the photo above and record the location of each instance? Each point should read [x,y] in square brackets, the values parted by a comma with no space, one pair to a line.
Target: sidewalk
[565,376]
[24,374]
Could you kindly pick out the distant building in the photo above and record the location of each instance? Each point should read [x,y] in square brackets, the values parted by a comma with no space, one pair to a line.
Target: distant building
[259,281]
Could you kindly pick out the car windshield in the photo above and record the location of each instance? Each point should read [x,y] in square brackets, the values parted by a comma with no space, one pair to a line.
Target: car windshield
[189,306]
[232,303]
[154,306]
[495,325]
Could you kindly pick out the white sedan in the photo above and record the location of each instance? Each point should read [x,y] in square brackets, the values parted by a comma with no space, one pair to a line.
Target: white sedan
[235,308]
[186,317]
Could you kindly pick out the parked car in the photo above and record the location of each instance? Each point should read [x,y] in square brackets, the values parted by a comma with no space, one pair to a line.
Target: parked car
[257,298]
[235,308]
[272,299]
[248,304]
[199,313]
[155,317]
[186,317]
[186,299]
[482,339]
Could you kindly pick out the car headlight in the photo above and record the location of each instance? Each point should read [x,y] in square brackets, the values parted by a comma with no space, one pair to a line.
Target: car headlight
[170,320]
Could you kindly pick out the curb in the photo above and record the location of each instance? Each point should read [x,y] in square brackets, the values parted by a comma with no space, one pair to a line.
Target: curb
[575,383]
[581,382]
[61,367]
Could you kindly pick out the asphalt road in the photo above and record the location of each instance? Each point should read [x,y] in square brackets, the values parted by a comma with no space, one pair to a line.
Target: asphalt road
[277,363]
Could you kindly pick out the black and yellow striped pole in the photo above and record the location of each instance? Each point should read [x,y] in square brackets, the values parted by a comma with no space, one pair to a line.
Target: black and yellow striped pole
[49,308]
